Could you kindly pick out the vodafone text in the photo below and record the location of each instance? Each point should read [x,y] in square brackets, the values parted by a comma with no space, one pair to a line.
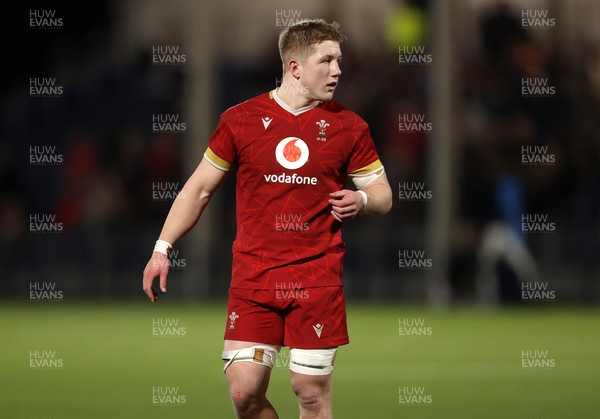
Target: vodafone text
[292,179]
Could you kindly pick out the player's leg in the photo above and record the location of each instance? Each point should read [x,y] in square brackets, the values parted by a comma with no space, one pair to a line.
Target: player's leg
[313,385]
[314,328]
[248,370]
[253,336]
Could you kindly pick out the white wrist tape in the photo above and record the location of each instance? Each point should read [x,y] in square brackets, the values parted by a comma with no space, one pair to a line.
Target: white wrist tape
[365,199]
[163,247]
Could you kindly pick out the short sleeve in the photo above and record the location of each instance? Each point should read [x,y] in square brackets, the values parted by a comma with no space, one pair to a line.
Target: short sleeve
[364,159]
[221,151]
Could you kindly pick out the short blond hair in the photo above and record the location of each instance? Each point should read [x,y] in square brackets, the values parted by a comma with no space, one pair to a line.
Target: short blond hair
[299,39]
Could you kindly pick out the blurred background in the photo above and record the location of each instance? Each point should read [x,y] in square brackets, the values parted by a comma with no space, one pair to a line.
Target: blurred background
[107,107]
[479,290]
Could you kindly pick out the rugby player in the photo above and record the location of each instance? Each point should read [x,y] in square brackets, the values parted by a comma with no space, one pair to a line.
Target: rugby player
[292,149]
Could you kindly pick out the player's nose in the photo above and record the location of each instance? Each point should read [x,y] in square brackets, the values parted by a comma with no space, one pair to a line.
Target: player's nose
[336,71]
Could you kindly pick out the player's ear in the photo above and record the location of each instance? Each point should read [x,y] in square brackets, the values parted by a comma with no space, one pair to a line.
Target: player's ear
[294,68]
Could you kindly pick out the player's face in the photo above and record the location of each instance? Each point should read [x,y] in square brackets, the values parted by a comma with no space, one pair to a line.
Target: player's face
[320,71]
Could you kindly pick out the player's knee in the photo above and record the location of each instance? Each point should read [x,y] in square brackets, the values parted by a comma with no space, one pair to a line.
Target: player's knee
[245,400]
[310,387]
[247,372]
[247,391]
[312,396]
[308,394]
[311,377]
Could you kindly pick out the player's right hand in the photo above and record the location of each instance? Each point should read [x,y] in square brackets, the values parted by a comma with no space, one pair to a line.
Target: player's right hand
[157,266]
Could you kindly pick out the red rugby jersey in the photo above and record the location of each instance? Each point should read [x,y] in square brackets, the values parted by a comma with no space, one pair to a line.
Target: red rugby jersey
[288,162]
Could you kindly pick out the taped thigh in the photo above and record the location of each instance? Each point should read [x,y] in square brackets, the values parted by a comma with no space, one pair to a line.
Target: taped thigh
[258,354]
[312,361]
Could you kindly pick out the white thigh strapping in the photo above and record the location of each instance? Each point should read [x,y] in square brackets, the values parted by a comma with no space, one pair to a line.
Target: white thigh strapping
[258,354]
[312,361]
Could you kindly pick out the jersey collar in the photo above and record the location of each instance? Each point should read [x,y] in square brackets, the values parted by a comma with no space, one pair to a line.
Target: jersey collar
[294,112]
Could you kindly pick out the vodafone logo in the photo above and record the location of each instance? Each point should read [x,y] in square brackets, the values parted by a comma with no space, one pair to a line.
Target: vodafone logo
[292,153]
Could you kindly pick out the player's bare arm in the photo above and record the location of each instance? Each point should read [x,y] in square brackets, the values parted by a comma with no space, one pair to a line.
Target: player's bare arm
[346,204]
[184,214]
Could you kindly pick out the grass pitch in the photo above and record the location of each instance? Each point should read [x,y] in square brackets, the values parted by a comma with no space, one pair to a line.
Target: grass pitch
[65,360]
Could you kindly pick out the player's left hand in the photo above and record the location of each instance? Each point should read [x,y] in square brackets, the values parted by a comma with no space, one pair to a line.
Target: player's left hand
[345,204]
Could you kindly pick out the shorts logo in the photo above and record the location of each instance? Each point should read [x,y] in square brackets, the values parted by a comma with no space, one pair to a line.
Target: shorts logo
[232,318]
[318,329]
[292,153]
